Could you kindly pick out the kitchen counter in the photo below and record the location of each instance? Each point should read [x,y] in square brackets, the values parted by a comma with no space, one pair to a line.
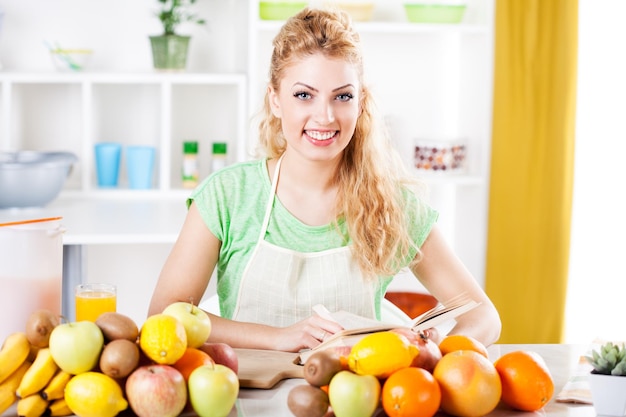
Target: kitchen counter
[103,218]
[562,360]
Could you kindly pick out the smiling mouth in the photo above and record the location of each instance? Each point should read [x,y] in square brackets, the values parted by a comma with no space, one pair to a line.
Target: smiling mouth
[321,136]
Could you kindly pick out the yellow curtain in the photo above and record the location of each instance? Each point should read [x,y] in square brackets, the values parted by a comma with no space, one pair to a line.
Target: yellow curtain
[536,43]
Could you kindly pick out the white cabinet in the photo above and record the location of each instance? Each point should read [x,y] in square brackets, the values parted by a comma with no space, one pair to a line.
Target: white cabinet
[54,111]
[432,82]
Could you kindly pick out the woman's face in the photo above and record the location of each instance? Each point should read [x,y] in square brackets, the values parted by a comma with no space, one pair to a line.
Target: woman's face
[318,104]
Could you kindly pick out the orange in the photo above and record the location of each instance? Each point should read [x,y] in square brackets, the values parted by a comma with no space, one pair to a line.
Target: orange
[411,392]
[381,353]
[469,382]
[527,384]
[454,342]
[191,359]
[163,339]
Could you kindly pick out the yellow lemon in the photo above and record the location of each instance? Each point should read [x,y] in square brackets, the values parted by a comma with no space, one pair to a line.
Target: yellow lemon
[163,339]
[92,394]
[380,354]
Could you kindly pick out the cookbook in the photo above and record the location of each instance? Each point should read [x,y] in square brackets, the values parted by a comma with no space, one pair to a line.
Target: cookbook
[357,327]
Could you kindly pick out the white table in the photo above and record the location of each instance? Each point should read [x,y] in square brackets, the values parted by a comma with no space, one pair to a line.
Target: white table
[135,217]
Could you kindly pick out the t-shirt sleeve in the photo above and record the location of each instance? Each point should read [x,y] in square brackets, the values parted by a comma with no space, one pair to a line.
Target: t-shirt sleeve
[211,199]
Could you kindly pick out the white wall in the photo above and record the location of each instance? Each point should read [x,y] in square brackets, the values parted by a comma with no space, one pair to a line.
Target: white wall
[596,306]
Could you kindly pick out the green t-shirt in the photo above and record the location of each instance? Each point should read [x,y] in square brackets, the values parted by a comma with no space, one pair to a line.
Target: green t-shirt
[232,203]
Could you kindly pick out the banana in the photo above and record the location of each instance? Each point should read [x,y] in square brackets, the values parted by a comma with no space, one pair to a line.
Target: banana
[38,375]
[9,386]
[14,352]
[59,408]
[56,387]
[31,406]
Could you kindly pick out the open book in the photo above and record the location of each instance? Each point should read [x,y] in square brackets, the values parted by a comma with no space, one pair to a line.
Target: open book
[356,327]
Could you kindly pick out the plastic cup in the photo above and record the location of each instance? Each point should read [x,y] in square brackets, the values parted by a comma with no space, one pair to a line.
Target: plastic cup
[107,163]
[94,299]
[140,166]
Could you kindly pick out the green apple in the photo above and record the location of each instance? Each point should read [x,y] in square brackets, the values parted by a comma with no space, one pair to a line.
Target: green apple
[76,346]
[213,390]
[196,321]
[353,395]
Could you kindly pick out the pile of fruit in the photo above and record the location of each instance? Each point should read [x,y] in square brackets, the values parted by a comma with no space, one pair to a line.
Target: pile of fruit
[99,369]
[399,373]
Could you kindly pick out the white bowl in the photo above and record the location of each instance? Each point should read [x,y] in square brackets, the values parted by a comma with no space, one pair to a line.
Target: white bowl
[71,59]
[33,179]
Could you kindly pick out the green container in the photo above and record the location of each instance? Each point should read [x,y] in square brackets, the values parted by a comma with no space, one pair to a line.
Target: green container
[280,10]
[434,13]
[169,52]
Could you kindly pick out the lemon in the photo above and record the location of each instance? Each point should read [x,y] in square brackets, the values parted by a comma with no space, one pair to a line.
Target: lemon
[163,339]
[381,354]
[92,394]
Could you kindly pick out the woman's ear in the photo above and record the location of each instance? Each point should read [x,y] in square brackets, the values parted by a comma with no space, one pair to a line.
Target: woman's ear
[274,102]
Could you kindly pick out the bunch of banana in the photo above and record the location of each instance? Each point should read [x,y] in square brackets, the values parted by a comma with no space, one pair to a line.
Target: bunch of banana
[38,386]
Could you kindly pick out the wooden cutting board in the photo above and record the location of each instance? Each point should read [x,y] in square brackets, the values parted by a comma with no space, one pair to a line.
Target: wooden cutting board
[265,368]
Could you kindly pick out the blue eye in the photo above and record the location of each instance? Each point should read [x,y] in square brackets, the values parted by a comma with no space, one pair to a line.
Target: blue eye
[345,97]
[302,95]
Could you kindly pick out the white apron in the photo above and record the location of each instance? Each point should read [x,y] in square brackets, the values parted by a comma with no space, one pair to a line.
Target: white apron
[279,286]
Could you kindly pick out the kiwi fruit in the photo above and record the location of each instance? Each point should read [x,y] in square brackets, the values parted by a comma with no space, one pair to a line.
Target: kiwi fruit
[39,325]
[119,358]
[307,401]
[320,367]
[116,326]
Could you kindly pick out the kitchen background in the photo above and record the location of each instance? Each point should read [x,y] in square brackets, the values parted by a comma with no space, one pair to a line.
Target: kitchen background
[435,84]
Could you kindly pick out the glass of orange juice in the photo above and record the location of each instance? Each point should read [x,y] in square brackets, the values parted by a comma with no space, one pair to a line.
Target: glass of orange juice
[94,299]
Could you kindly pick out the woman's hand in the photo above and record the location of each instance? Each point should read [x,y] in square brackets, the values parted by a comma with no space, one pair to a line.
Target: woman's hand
[306,334]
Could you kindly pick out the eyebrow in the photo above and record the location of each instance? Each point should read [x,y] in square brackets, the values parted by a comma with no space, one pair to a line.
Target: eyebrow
[315,89]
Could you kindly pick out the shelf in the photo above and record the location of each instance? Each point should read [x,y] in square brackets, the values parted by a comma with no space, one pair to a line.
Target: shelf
[161,109]
[393,27]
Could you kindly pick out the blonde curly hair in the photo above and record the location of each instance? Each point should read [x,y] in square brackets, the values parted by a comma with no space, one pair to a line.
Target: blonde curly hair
[371,178]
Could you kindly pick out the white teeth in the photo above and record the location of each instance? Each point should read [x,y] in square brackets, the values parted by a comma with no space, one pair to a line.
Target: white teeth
[320,135]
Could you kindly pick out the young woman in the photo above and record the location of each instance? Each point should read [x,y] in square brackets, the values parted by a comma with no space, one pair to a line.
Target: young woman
[327,216]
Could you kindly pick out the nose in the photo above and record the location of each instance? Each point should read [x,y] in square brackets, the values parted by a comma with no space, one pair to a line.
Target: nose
[324,113]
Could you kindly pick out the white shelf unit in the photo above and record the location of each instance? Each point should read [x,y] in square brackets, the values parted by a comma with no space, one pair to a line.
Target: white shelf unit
[433,82]
[73,111]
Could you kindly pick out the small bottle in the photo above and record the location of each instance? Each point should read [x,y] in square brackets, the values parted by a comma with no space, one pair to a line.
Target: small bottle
[219,156]
[190,164]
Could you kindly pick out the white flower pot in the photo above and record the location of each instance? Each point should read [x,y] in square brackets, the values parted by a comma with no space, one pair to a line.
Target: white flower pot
[608,393]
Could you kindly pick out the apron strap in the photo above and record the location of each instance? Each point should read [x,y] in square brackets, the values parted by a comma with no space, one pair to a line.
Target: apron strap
[270,200]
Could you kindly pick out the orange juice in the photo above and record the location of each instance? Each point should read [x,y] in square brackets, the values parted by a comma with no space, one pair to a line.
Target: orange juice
[93,300]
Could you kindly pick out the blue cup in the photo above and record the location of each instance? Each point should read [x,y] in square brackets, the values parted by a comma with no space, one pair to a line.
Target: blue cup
[107,163]
[140,166]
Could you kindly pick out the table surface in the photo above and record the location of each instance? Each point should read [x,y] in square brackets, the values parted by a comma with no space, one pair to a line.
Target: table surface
[562,360]
[103,218]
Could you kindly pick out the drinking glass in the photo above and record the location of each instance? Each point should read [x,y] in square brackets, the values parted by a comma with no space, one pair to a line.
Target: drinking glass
[94,299]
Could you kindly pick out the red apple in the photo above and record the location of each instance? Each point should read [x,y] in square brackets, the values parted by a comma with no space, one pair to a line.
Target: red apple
[196,321]
[222,354]
[156,391]
[429,352]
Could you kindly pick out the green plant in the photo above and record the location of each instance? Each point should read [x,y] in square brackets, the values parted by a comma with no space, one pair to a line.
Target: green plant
[176,12]
[610,360]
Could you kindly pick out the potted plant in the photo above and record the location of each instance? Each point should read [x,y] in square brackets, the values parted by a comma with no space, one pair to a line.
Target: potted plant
[607,380]
[169,50]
